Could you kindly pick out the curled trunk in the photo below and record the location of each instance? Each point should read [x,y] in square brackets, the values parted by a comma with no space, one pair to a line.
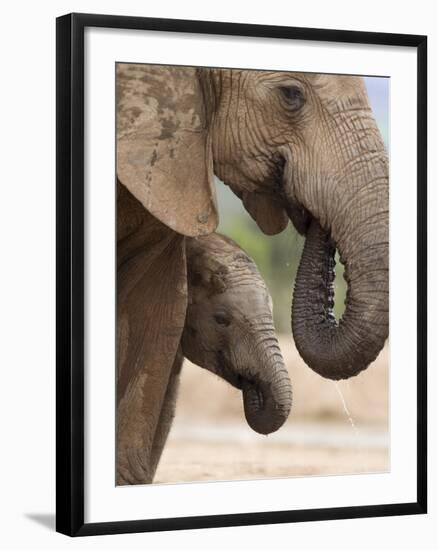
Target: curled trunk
[267,396]
[342,349]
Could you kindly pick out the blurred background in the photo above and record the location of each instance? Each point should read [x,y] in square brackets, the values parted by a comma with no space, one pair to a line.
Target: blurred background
[334,427]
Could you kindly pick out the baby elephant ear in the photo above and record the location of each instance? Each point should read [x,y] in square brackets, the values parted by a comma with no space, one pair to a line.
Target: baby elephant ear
[163,150]
[205,265]
[267,211]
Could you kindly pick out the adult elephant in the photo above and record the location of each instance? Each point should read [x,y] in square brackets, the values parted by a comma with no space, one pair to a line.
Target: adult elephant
[293,146]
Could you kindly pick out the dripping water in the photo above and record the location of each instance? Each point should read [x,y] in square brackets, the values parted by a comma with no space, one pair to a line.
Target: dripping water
[346,410]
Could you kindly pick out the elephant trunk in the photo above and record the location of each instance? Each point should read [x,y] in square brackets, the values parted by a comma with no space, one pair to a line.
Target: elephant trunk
[267,394]
[339,350]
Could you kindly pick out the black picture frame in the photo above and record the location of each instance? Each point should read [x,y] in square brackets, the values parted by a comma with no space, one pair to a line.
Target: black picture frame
[70,273]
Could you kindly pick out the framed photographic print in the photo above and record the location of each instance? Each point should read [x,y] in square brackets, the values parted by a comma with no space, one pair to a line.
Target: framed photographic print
[241,274]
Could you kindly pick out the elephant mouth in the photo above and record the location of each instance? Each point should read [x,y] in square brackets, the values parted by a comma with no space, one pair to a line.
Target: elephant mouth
[299,216]
[238,381]
[225,371]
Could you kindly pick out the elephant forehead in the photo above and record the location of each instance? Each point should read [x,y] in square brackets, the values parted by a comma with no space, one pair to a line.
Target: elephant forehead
[156,101]
[251,301]
[333,86]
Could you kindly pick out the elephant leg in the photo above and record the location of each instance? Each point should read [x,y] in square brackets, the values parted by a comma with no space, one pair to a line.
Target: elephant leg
[151,306]
[167,414]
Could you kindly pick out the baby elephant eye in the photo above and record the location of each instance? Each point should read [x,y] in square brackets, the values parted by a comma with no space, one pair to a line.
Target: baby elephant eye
[222,319]
[294,97]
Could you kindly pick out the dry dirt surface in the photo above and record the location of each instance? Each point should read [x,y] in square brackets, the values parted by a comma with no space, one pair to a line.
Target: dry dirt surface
[334,427]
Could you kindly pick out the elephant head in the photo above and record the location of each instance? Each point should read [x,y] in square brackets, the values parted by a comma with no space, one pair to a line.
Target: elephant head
[293,146]
[229,329]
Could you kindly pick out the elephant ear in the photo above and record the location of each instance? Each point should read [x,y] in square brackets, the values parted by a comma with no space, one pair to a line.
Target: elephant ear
[163,149]
[205,264]
[267,211]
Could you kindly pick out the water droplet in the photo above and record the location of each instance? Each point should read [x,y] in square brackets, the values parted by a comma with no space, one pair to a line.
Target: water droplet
[346,410]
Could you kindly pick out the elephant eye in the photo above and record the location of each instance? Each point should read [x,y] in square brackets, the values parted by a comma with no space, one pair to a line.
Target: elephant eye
[222,319]
[294,97]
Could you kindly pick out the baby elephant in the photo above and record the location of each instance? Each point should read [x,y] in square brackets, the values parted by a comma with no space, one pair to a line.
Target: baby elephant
[229,329]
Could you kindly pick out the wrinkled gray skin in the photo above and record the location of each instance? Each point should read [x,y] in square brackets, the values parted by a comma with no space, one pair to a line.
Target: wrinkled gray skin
[229,331]
[309,142]
[294,147]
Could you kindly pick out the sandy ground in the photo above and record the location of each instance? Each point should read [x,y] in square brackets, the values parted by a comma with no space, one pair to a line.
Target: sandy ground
[334,427]
[198,461]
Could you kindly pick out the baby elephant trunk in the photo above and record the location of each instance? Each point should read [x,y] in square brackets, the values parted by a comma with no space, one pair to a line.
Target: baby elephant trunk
[267,393]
